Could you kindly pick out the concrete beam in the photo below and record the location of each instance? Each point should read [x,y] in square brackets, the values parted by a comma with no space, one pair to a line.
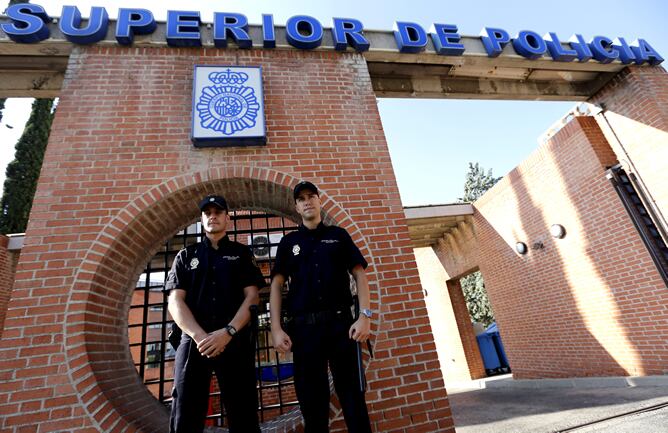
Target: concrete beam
[472,75]
[33,84]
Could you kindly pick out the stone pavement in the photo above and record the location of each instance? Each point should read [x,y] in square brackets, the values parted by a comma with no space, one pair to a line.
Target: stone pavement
[501,404]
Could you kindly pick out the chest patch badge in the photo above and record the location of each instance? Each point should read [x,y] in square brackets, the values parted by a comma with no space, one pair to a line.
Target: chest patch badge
[295,250]
[194,263]
[329,241]
[231,257]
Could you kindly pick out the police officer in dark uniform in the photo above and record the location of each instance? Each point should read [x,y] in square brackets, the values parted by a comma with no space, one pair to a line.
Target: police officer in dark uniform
[212,285]
[317,260]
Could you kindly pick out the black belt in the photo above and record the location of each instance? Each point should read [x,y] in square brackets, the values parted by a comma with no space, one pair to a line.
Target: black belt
[320,317]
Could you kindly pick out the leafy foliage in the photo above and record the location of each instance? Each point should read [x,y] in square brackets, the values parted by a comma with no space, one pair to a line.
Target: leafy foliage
[477,183]
[473,285]
[23,172]
[477,301]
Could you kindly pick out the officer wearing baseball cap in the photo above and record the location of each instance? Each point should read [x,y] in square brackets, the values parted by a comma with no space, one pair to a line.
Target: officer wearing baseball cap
[318,261]
[212,285]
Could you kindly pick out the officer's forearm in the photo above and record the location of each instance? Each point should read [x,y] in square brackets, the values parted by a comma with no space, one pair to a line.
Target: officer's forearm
[275,301]
[184,317]
[242,317]
[362,286]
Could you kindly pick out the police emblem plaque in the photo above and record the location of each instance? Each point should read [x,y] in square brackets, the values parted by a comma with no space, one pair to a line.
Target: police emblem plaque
[228,106]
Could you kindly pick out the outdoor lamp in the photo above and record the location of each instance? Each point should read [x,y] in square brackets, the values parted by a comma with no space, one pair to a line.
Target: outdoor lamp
[521,247]
[557,231]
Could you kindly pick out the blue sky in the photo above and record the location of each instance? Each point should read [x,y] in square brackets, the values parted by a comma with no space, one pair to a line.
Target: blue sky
[432,141]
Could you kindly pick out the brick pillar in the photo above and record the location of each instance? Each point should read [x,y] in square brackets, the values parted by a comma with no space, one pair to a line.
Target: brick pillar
[121,176]
[463,318]
[6,279]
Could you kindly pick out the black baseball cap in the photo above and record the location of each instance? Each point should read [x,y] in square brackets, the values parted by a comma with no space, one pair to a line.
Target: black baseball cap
[301,186]
[215,200]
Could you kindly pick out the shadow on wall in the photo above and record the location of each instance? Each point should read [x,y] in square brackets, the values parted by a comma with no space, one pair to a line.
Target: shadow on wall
[564,309]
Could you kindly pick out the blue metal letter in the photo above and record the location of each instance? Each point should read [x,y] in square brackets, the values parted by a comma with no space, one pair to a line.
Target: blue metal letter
[312,29]
[348,30]
[645,53]
[183,29]
[236,25]
[410,37]
[558,53]
[29,23]
[494,40]
[445,39]
[601,48]
[95,30]
[133,22]
[626,55]
[580,46]
[268,33]
[529,44]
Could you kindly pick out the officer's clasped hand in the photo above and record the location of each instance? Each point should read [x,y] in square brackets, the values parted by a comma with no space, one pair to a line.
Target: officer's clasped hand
[214,343]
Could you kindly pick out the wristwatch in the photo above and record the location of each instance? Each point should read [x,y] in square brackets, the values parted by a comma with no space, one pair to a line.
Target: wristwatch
[231,330]
[366,312]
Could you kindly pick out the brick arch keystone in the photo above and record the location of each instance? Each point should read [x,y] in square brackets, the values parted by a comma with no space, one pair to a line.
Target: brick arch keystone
[96,340]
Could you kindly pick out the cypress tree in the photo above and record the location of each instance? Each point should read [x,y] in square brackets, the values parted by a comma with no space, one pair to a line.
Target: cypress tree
[23,172]
[476,184]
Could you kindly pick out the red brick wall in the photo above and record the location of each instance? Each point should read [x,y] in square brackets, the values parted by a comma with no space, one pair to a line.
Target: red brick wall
[466,333]
[6,278]
[458,250]
[590,304]
[636,125]
[121,176]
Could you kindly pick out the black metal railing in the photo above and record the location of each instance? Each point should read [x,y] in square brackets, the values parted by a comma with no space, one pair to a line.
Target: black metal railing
[643,217]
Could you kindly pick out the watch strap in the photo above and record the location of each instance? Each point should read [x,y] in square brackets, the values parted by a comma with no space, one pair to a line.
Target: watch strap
[231,330]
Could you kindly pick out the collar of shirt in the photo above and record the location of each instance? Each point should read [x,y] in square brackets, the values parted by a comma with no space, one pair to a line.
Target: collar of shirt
[222,240]
[319,228]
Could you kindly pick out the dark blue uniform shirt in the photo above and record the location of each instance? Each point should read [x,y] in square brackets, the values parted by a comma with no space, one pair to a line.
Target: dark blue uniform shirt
[214,280]
[316,264]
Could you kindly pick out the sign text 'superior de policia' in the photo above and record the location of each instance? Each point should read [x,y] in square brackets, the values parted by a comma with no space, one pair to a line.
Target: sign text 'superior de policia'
[28,25]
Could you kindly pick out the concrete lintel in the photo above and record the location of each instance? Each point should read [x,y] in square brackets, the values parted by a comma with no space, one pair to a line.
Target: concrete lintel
[479,88]
[435,211]
[508,76]
[383,48]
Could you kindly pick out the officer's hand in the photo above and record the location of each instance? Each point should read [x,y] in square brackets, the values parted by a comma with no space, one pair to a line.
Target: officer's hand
[282,342]
[214,344]
[361,329]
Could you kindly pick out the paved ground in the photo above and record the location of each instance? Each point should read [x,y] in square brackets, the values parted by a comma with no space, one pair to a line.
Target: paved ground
[503,405]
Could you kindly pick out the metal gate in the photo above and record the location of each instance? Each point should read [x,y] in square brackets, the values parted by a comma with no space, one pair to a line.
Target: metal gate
[149,320]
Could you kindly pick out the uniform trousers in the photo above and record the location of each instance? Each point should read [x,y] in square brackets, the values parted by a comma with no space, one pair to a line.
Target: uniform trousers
[235,370]
[315,346]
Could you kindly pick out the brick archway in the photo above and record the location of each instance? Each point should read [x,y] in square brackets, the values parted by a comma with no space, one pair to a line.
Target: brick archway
[96,339]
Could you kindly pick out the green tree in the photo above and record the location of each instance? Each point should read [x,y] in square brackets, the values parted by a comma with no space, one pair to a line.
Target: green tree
[476,184]
[23,172]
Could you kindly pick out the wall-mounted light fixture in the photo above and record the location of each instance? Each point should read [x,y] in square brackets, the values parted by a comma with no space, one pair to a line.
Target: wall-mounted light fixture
[557,231]
[521,248]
